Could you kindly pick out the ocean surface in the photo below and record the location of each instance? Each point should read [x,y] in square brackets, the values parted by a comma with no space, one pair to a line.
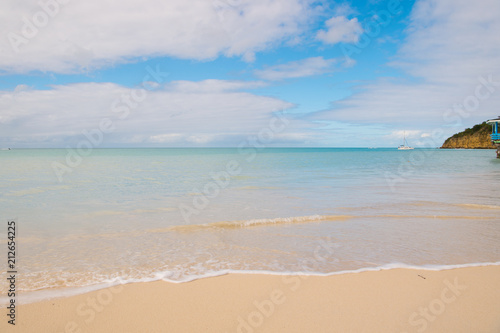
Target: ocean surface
[130,215]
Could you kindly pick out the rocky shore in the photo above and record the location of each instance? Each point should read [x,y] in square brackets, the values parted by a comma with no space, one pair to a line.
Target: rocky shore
[477,137]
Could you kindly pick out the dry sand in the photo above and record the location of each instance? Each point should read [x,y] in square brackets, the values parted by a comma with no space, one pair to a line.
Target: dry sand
[396,300]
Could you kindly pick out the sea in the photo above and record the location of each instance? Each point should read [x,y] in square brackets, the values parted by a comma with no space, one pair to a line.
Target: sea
[87,219]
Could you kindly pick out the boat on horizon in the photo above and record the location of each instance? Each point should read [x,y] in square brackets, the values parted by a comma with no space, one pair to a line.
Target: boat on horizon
[404,146]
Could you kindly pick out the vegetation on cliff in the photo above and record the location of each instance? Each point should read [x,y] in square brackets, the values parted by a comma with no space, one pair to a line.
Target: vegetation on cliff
[477,137]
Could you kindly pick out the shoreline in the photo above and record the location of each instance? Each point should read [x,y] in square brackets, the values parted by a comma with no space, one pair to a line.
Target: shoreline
[463,148]
[48,294]
[391,300]
[479,148]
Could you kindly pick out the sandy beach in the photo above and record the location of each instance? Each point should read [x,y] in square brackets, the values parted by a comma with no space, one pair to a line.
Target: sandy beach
[395,300]
[249,166]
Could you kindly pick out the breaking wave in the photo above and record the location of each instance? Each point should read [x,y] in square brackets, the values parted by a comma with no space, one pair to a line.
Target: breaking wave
[258,222]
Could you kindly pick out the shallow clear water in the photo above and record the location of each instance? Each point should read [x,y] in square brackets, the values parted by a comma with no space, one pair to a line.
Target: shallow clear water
[181,214]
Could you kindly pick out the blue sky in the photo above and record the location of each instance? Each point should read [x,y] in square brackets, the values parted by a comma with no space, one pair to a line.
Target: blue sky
[343,74]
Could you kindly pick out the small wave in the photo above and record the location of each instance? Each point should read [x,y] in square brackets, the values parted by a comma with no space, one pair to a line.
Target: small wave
[258,188]
[44,294]
[129,212]
[466,205]
[257,222]
[439,217]
[478,206]
[37,190]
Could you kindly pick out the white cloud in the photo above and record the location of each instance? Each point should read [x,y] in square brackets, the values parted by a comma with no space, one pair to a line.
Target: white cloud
[82,35]
[210,86]
[176,113]
[340,29]
[344,9]
[200,139]
[399,134]
[296,69]
[161,138]
[450,44]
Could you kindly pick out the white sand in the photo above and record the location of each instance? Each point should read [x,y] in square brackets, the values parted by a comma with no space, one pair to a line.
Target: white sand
[397,300]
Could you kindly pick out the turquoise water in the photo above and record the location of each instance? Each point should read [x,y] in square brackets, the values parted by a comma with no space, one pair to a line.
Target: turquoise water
[182,214]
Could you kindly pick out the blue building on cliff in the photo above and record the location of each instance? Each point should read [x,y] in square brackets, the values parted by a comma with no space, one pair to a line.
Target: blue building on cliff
[495,136]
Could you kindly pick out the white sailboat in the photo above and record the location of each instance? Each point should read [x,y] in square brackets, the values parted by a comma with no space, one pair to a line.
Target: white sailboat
[404,146]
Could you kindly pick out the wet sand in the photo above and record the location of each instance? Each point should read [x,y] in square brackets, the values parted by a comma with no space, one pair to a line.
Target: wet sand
[395,300]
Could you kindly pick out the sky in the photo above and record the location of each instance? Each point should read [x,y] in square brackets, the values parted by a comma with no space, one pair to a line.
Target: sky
[221,73]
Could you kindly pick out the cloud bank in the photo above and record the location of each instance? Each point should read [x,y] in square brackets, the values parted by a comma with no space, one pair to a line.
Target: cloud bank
[181,112]
[66,36]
